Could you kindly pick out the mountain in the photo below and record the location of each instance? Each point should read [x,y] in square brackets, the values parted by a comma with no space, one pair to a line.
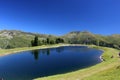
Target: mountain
[13,33]
[85,37]
[79,36]
[15,38]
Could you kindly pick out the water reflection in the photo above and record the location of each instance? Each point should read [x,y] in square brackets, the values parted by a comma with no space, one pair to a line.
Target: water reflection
[47,52]
[59,49]
[35,54]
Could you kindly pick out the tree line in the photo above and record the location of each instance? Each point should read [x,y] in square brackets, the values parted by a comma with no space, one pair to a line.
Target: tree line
[47,41]
[87,40]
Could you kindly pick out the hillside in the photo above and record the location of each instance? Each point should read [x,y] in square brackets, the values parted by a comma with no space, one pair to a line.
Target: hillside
[15,38]
[84,37]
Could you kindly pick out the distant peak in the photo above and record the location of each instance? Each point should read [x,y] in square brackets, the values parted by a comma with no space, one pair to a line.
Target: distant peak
[86,32]
[75,32]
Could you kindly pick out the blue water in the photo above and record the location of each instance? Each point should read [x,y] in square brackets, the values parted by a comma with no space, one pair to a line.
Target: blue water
[28,65]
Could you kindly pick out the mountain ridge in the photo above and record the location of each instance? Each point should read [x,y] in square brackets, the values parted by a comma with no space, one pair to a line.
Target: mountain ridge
[16,38]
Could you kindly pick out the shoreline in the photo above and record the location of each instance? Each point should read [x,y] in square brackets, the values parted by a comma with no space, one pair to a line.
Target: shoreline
[101,58]
[5,52]
[16,50]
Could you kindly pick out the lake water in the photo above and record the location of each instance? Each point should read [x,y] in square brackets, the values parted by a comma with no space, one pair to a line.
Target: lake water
[28,65]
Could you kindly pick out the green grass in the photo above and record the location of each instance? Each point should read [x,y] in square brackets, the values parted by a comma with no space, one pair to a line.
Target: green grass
[109,69]
[109,74]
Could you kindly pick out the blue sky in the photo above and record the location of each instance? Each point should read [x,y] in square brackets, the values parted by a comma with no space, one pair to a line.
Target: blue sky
[61,16]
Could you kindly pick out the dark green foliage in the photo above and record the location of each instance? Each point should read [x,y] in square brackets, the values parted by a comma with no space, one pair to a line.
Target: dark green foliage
[8,46]
[48,41]
[44,42]
[35,41]
[59,40]
[52,42]
[32,42]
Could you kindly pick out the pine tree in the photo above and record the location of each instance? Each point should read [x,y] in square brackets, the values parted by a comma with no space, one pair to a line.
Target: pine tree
[48,41]
[35,41]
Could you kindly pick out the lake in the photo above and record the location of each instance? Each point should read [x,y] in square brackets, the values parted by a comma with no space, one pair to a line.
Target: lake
[28,65]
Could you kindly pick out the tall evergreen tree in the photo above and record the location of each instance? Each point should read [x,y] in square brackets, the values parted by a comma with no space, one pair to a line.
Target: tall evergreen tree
[48,41]
[35,41]
[59,40]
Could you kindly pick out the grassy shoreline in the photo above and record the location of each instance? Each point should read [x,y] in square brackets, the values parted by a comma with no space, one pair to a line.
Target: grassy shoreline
[101,71]
[107,70]
[4,52]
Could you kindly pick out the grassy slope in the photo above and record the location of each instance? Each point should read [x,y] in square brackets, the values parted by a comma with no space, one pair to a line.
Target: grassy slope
[107,70]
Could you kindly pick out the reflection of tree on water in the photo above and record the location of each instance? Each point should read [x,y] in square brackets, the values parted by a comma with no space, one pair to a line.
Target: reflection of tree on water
[36,54]
[46,51]
[60,49]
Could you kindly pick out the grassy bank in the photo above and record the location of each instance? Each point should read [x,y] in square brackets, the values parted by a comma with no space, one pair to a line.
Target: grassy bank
[4,52]
[107,70]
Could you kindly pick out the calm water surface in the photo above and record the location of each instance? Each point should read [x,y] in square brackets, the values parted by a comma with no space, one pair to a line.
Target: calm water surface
[28,65]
